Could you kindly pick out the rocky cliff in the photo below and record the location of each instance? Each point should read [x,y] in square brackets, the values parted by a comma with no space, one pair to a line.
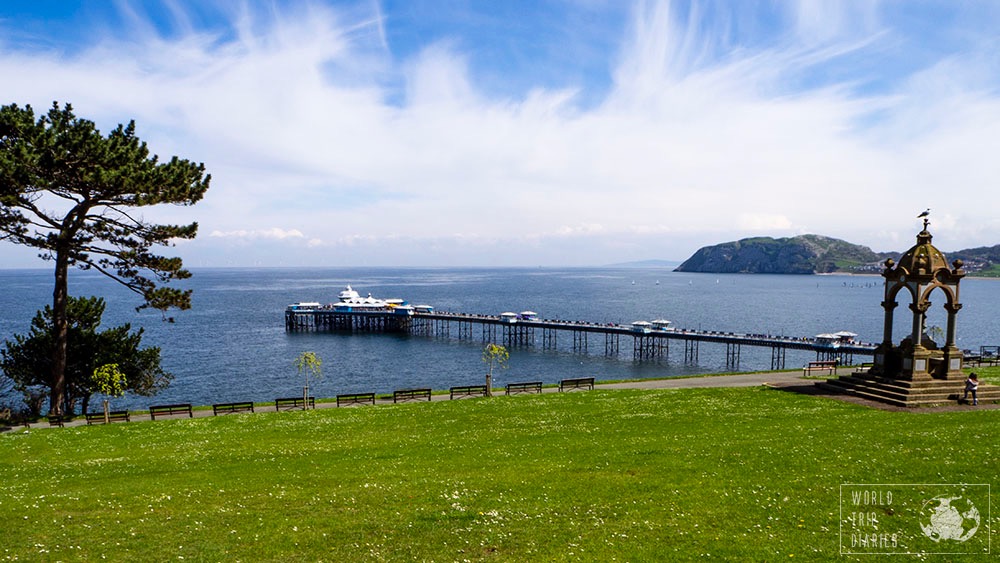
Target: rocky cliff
[804,254]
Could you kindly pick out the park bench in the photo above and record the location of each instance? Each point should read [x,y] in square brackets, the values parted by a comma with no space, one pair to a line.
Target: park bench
[8,420]
[865,367]
[402,395]
[169,410]
[576,383]
[227,408]
[356,399]
[292,403]
[524,387]
[467,391]
[113,416]
[828,366]
[59,419]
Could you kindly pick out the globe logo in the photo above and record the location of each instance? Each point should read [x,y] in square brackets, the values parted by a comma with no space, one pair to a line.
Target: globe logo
[949,518]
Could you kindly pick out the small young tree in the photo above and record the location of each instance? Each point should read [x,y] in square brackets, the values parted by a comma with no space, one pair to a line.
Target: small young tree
[308,364]
[494,354]
[110,382]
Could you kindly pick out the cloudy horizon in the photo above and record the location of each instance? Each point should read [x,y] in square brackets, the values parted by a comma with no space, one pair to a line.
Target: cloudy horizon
[523,134]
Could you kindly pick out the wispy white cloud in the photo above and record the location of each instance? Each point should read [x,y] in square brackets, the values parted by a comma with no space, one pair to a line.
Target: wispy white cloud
[818,21]
[308,120]
[273,233]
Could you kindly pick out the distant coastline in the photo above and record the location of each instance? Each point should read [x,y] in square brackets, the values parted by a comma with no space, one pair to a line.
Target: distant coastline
[817,254]
[646,264]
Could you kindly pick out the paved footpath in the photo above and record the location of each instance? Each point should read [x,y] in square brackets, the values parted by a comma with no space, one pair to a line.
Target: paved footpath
[775,378]
[788,380]
[778,379]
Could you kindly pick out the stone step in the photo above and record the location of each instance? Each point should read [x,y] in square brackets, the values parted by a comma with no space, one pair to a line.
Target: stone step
[893,388]
[894,393]
[934,385]
[910,384]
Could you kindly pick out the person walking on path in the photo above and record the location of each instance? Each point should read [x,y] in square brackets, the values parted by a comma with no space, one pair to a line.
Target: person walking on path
[971,386]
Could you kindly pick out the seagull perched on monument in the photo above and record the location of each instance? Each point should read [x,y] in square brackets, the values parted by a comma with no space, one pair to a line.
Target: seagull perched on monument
[925,213]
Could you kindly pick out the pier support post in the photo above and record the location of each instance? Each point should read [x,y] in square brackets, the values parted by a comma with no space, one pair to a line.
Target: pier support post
[549,338]
[518,335]
[690,351]
[489,333]
[611,341]
[442,328]
[826,355]
[732,355]
[646,347]
[777,357]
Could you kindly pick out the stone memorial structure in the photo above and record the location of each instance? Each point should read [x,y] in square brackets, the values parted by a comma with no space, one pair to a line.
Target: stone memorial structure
[916,371]
[922,273]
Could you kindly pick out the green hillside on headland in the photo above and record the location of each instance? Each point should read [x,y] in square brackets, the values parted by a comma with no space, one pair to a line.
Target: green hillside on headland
[815,254]
[722,474]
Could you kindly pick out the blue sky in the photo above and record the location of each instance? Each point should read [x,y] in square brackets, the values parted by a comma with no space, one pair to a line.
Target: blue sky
[534,133]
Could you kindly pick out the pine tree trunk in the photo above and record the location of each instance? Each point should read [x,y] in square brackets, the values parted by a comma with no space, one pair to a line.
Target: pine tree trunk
[60,329]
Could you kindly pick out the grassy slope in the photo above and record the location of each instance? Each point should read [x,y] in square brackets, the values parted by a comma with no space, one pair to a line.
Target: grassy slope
[992,272]
[605,475]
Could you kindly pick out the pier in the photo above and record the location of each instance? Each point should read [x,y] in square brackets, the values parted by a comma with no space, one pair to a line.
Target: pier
[647,343]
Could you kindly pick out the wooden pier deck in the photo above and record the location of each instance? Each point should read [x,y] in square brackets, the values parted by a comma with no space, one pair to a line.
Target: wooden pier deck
[646,344]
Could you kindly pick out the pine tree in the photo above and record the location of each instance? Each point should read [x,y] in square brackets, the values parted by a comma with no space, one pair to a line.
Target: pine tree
[70,192]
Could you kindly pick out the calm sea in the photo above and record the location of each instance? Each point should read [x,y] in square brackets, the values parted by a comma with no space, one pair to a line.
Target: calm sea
[232,344]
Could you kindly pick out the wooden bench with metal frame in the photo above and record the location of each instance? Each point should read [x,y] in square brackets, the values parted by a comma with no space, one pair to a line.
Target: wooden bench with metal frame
[403,395]
[59,419]
[829,366]
[229,408]
[113,416]
[169,410]
[576,383]
[292,403]
[467,391]
[355,399]
[524,387]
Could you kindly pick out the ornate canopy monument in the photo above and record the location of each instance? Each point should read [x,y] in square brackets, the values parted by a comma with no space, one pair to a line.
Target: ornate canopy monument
[922,271]
[916,371]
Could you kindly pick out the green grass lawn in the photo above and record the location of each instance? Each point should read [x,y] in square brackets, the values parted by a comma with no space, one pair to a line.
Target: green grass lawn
[737,474]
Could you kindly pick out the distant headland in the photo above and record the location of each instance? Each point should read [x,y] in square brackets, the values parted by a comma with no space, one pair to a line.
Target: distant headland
[816,254]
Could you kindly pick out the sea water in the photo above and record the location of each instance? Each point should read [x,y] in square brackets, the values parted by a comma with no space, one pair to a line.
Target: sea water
[232,344]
